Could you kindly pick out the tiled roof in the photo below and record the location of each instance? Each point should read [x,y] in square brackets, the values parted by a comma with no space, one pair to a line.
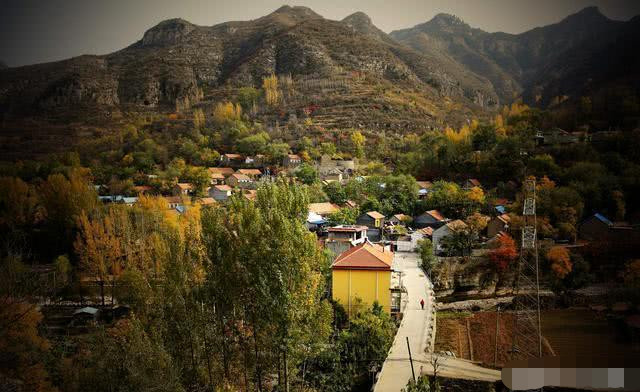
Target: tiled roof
[240,177]
[504,217]
[425,184]
[456,225]
[233,156]
[375,215]
[402,217]
[474,182]
[323,208]
[365,256]
[222,188]
[294,156]
[185,185]
[427,231]
[227,171]
[435,214]
[250,172]
[206,200]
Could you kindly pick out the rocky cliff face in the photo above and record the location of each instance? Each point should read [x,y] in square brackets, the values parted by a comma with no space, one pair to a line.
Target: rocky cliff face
[175,61]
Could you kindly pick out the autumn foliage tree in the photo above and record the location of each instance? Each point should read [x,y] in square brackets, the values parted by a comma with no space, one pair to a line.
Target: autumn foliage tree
[271,92]
[504,253]
[560,261]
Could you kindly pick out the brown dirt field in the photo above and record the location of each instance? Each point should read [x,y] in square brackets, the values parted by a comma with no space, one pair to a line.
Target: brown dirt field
[451,335]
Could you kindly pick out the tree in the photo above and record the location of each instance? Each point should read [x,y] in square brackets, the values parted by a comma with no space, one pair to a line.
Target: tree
[64,201]
[503,253]
[336,192]
[98,247]
[357,142]
[125,357]
[560,261]
[226,112]
[307,174]
[198,118]
[427,258]
[345,216]
[271,92]
[24,351]
[254,144]
[273,287]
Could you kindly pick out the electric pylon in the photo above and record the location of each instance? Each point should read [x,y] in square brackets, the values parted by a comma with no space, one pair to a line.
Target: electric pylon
[527,335]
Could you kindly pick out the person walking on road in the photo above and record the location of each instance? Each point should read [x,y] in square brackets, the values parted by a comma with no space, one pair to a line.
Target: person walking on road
[422,304]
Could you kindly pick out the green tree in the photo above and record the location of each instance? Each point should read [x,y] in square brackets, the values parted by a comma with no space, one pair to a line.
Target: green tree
[307,174]
[336,192]
[427,258]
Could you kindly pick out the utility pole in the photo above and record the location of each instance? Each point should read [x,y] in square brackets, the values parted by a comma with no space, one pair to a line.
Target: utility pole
[411,360]
[495,353]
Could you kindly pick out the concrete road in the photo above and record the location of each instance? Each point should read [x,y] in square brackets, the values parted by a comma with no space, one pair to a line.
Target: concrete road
[419,326]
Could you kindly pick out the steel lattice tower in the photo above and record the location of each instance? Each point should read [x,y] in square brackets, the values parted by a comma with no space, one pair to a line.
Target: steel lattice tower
[527,335]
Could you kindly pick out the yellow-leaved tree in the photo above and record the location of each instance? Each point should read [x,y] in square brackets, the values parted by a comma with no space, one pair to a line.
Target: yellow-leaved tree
[271,92]
[226,111]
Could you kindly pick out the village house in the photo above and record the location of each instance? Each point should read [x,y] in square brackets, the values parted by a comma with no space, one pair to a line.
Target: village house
[432,218]
[119,199]
[291,161]
[595,227]
[324,209]
[344,237]
[374,221]
[400,219]
[445,231]
[249,194]
[206,201]
[239,180]
[143,189]
[558,136]
[220,192]
[254,174]
[183,188]
[362,276]
[497,224]
[424,187]
[471,183]
[335,169]
[371,219]
[233,160]
[173,202]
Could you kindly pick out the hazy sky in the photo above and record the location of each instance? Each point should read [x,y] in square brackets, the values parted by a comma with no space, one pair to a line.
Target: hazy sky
[34,31]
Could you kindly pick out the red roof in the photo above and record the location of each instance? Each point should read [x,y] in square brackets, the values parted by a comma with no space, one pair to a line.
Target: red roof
[222,187]
[475,182]
[365,256]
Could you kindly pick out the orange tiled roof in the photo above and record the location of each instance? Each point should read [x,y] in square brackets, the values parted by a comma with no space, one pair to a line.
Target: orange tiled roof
[250,172]
[226,171]
[222,187]
[323,208]
[435,214]
[365,256]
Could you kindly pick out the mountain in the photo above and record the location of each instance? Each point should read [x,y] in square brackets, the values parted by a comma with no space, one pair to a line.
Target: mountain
[562,59]
[176,65]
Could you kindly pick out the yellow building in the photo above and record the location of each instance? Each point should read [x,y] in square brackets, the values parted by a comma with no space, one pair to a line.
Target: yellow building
[362,273]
